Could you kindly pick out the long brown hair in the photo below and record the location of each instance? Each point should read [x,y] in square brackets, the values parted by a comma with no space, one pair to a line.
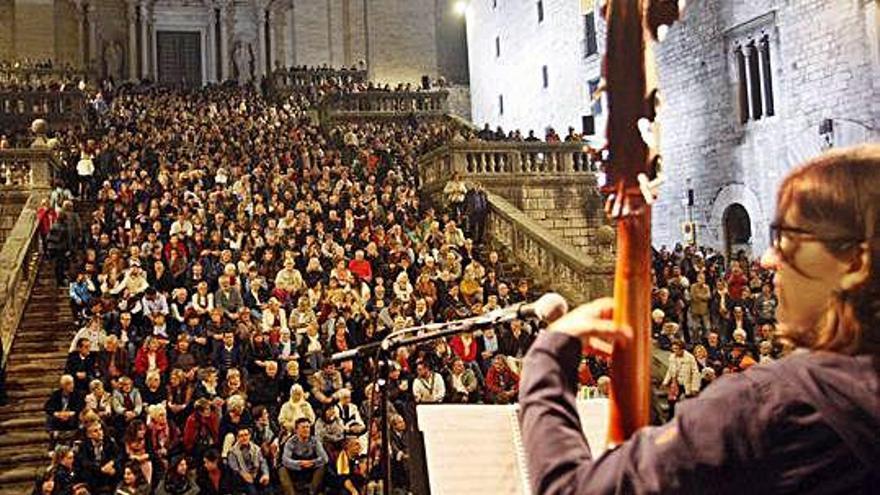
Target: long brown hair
[838,195]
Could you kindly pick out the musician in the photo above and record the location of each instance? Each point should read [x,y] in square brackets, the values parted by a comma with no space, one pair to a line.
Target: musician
[806,422]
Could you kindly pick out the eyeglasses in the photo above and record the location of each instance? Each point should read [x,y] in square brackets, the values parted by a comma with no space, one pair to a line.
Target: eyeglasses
[778,231]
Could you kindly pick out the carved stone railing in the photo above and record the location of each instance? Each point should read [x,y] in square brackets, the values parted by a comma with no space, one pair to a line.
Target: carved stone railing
[42,76]
[19,263]
[59,107]
[299,78]
[27,169]
[376,103]
[548,259]
[479,160]
[22,171]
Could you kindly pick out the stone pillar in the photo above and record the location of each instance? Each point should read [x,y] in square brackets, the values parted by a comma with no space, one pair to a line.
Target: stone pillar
[261,40]
[132,41]
[289,40]
[83,35]
[145,40]
[91,17]
[223,57]
[271,53]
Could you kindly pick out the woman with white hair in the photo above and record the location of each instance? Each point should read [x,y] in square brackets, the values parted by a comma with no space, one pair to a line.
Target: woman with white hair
[403,289]
[297,406]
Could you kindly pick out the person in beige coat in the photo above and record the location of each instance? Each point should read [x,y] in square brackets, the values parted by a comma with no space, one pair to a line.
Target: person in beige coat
[296,407]
[684,371]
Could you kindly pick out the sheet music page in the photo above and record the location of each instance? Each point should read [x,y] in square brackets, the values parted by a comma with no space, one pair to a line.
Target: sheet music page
[473,448]
[470,449]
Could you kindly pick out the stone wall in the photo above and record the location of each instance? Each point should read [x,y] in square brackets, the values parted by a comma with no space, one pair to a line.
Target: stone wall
[34,30]
[526,46]
[7,29]
[569,207]
[824,66]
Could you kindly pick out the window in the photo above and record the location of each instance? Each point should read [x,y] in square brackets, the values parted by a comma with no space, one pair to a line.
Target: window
[596,105]
[754,71]
[500,104]
[545,76]
[590,46]
[540,10]
[497,46]
[751,46]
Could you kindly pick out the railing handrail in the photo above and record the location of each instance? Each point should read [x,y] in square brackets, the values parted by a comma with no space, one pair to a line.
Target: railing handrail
[33,156]
[15,270]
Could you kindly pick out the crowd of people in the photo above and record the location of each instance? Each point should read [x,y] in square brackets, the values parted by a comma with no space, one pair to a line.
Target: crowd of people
[716,316]
[234,246]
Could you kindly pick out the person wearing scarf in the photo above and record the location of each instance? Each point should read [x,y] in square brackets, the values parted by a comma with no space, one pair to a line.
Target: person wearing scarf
[246,460]
[176,480]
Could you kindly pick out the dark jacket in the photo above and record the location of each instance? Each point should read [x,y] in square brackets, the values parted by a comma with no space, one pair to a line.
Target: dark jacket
[88,469]
[54,404]
[227,482]
[809,423]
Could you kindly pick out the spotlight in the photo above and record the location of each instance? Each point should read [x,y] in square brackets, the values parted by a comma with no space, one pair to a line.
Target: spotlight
[461,7]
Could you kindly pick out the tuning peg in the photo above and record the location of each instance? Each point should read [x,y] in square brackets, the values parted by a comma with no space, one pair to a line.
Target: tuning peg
[645,129]
[650,188]
[662,31]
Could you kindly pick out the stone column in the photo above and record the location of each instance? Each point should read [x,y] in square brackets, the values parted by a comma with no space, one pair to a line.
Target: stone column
[145,40]
[132,41]
[261,39]
[271,54]
[83,35]
[223,57]
[92,42]
[289,39]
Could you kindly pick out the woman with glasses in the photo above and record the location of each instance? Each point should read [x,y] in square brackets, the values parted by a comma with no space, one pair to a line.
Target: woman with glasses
[809,422]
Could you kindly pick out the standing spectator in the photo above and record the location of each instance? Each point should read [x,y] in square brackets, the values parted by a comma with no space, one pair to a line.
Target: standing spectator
[682,376]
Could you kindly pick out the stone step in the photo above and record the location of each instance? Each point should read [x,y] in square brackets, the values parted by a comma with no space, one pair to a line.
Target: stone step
[21,408]
[17,488]
[46,346]
[24,365]
[21,474]
[21,382]
[36,393]
[52,333]
[25,438]
[23,422]
[11,456]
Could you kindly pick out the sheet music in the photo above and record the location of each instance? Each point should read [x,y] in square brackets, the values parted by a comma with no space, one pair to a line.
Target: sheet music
[470,449]
[478,448]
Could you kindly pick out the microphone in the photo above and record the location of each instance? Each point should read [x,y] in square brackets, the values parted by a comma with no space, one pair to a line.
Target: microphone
[547,308]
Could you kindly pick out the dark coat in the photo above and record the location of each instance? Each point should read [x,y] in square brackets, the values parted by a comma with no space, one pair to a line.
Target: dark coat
[808,422]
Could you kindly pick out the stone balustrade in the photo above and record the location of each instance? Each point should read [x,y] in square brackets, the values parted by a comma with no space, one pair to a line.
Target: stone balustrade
[547,258]
[300,78]
[27,169]
[389,102]
[41,75]
[479,160]
[30,172]
[22,107]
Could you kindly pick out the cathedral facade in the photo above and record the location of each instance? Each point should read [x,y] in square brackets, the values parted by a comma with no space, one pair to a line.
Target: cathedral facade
[203,41]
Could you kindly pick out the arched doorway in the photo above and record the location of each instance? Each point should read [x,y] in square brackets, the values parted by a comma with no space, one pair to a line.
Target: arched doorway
[737,231]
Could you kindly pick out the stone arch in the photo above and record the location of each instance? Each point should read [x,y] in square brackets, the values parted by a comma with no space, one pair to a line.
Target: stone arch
[744,197]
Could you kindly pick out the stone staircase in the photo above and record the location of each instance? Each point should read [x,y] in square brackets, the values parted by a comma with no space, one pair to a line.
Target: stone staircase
[36,361]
